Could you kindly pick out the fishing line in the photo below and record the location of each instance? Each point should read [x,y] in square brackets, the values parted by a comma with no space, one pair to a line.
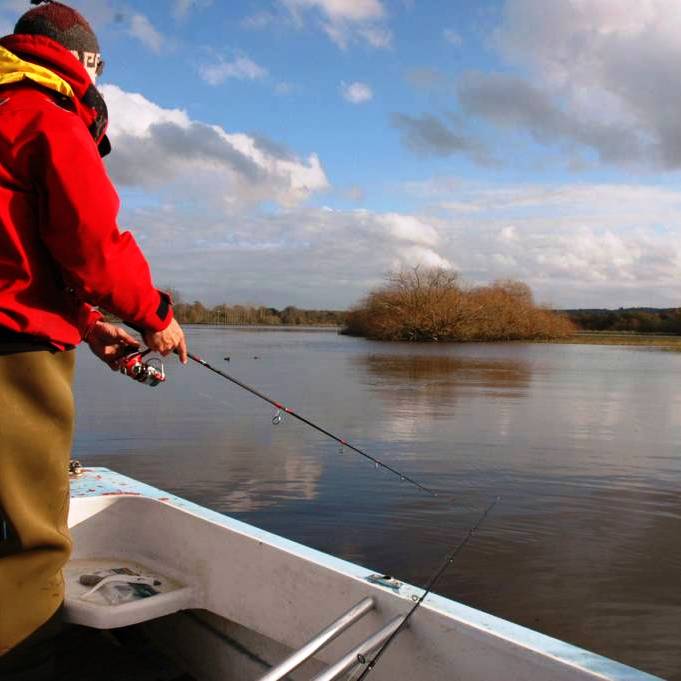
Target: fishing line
[430,586]
[282,409]
[134,358]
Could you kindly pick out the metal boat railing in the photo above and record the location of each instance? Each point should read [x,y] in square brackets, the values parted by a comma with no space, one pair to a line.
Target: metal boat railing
[322,639]
[358,654]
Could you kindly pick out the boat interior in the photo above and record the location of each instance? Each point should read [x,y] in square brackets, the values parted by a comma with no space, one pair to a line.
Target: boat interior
[123,539]
[161,589]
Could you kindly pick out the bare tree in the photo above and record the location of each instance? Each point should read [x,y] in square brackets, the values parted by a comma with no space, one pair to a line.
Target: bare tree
[422,304]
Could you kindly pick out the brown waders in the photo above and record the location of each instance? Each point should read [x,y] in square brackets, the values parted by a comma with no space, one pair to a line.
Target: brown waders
[36,426]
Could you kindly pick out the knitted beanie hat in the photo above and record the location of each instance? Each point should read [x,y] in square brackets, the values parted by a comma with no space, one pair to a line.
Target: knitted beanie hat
[61,23]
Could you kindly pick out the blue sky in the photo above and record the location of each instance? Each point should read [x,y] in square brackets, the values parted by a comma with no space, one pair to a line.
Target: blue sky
[293,151]
[297,101]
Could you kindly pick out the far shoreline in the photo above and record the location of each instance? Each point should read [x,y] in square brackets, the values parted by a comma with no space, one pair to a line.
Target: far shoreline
[615,338]
[623,338]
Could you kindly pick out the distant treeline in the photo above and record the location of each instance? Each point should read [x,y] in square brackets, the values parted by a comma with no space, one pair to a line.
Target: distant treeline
[640,319]
[434,305]
[244,315]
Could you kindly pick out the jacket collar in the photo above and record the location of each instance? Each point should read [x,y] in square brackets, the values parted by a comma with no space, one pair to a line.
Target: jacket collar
[13,69]
[44,61]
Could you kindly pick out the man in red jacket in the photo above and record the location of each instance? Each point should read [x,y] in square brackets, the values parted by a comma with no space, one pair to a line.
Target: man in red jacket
[61,257]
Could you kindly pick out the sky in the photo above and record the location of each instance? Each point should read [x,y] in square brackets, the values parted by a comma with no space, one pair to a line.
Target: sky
[293,152]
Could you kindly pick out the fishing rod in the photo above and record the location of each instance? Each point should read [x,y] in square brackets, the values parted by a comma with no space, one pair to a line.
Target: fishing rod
[282,409]
[145,372]
[429,587]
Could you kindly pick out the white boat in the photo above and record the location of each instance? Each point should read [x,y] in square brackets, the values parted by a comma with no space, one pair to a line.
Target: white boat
[234,602]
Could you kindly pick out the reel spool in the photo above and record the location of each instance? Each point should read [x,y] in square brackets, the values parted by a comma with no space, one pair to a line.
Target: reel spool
[150,372]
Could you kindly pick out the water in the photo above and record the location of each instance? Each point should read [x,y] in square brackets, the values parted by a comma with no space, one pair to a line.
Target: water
[581,442]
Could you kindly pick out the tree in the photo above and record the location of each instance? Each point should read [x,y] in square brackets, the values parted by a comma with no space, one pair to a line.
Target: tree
[434,305]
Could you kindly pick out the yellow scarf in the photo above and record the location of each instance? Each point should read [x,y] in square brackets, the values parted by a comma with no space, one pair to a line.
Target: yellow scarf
[13,69]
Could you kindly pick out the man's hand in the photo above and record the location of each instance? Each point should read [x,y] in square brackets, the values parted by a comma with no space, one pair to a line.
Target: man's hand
[110,343]
[171,338]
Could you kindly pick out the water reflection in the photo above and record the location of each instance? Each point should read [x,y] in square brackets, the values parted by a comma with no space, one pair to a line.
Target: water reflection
[230,472]
[444,375]
[419,389]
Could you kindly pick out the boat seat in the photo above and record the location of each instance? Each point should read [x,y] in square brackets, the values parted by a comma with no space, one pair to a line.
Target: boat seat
[96,609]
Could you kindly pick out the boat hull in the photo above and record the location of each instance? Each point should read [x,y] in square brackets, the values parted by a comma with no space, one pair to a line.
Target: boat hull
[249,597]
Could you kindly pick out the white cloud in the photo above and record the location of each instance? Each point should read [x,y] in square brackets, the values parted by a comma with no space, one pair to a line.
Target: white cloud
[345,21]
[241,68]
[142,29]
[600,74]
[341,10]
[576,245]
[163,148]
[508,233]
[409,228]
[303,256]
[356,93]
[410,240]
[418,256]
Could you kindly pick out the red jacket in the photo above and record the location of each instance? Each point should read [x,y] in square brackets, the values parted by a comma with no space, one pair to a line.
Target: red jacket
[60,249]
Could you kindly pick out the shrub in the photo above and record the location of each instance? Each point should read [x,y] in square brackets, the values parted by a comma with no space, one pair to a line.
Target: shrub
[434,305]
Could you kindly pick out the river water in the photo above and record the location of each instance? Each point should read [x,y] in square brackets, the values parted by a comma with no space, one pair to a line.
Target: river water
[582,444]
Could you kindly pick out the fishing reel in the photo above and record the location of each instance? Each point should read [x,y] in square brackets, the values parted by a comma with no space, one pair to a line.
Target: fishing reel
[150,372]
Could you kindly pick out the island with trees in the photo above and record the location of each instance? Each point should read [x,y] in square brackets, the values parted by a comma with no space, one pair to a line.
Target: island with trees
[435,305]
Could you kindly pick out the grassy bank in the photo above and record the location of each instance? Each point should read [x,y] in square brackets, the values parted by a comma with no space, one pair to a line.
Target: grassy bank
[621,338]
